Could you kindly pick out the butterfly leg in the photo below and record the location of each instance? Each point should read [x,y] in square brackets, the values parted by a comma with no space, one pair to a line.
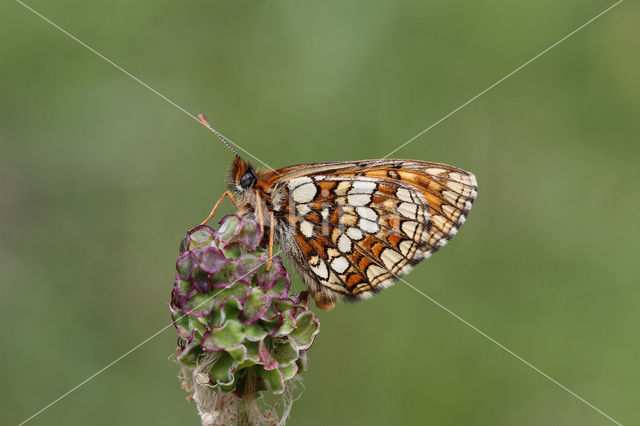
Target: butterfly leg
[213,210]
[270,243]
[259,212]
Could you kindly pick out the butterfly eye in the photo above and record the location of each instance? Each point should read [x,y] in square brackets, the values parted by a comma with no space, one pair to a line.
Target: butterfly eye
[248,179]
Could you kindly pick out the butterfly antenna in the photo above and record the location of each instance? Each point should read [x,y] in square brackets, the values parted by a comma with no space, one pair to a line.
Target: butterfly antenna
[204,121]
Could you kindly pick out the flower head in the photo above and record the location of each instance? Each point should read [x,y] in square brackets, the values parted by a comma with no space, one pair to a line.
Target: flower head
[240,329]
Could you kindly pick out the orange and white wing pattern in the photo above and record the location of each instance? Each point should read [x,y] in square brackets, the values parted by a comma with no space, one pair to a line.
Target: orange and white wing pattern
[353,228]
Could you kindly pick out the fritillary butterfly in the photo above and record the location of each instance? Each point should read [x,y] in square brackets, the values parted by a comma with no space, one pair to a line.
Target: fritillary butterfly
[352,228]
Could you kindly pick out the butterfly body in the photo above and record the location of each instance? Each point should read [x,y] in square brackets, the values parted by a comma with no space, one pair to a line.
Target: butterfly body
[352,228]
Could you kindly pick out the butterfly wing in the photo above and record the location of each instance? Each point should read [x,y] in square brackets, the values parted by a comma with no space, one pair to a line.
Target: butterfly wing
[353,228]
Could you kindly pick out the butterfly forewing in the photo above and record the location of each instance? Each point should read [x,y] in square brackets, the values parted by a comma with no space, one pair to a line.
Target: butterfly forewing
[354,227]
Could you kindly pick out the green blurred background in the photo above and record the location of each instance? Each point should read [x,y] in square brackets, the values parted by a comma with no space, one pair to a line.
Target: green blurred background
[100,179]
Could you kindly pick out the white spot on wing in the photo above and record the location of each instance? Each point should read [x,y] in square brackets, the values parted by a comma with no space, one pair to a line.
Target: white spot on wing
[409,228]
[467,179]
[363,187]
[344,243]
[435,170]
[331,253]
[303,209]
[390,258]
[374,271]
[304,193]
[452,198]
[306,228]
[369,226]
[355,234]
[404,195]
[358,199]
[456,186]
[408,210]
[325,213]
[320,269]
[294,183]
[342,188]
[405,247]
[449,210]
[367,213]
[340,264]
[440,222]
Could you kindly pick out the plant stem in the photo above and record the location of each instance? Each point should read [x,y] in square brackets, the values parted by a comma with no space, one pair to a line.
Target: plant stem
[246,404]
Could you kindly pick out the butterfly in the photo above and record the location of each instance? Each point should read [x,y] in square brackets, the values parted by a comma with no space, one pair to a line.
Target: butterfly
[352,228]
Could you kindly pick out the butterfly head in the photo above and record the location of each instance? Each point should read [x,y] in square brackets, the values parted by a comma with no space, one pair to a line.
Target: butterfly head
[242,177]
[247,184]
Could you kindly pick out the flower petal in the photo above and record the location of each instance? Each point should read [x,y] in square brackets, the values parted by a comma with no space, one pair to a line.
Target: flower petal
[268,361]
[211,259]
[255,304]
[229,335]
